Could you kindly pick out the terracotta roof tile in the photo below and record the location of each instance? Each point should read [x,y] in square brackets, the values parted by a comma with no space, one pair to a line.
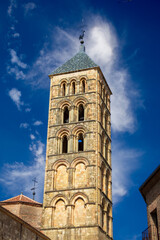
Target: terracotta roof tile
[20,198]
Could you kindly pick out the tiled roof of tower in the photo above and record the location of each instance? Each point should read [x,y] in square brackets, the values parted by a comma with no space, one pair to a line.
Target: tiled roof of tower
[20,198]
[79,62]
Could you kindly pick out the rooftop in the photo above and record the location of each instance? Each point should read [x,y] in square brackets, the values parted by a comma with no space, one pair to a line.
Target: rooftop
[20,199]
[150,182]
[80,61]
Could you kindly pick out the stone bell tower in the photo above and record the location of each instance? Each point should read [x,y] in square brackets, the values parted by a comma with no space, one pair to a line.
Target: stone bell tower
[78,184]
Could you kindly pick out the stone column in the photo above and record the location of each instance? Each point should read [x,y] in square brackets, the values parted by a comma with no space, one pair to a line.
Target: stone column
[71,114]
[70,144]
[69,215]
[85,142]
[70,177]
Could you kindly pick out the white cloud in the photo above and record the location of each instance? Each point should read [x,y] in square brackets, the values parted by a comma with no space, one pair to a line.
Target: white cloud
[24,125]
[15,95]
[37,123]
[27,109]
[18,176]
[15,71]
[32,137]
[17,66]
[124,162]
[28,7]
[16,60]
[11,7]
[16,35]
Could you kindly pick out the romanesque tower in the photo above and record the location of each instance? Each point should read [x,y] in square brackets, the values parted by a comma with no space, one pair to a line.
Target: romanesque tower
[78,185]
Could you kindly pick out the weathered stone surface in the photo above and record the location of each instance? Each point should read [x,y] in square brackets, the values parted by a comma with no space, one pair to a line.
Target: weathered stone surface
[77,192]
[13,227]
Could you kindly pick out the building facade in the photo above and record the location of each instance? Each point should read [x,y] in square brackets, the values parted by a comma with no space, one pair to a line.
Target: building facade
[150,191]
[77,200]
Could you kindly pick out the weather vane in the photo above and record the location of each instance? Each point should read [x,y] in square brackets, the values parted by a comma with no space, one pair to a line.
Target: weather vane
[82,32]
[34,187]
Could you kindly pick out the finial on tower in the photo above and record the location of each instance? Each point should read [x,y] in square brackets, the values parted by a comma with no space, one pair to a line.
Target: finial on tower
[81,37]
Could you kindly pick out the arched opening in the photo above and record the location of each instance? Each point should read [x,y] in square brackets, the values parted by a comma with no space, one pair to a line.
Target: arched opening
[103,216]
[63,89]
[73,87]
[79,212]
[108,220]
[80,142]
[83,86]
[61,177]
[81,113]
[66,115]
[60,219]
[64,144]
[80,175]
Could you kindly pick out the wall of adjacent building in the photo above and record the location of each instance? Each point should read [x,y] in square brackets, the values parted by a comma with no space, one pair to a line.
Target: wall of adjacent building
[29,213]
[153,202]
[12,227]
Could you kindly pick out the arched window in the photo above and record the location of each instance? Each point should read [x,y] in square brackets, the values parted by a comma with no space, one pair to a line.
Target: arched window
[80,142]
[79,212]
[66,115]
[80,175]
[81,113]
[83,86]
[73,87]
[63,89]
[103,215]
[60,219]
[61,177]
[64,144]
[103,94]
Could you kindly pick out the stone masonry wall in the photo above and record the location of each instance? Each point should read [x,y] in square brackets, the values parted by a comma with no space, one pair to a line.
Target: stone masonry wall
[77,194]
[12,227]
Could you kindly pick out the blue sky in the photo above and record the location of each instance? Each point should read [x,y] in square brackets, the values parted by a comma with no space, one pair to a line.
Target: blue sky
[123,38]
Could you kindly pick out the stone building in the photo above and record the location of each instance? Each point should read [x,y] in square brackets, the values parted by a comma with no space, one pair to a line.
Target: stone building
[77,200]
[20,219]
[150,191]
[25,208]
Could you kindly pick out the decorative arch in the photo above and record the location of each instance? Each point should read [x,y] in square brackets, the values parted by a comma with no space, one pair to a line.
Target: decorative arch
[61,176]
[80,100]
[79,195]
[63,131]
[79,129]
[78,160]
[73,86]
[59,213]
[63,88]
[104,214]
[103,177]
[60,162]
[109,220]
[64,103]
[83,84]
[58,197]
